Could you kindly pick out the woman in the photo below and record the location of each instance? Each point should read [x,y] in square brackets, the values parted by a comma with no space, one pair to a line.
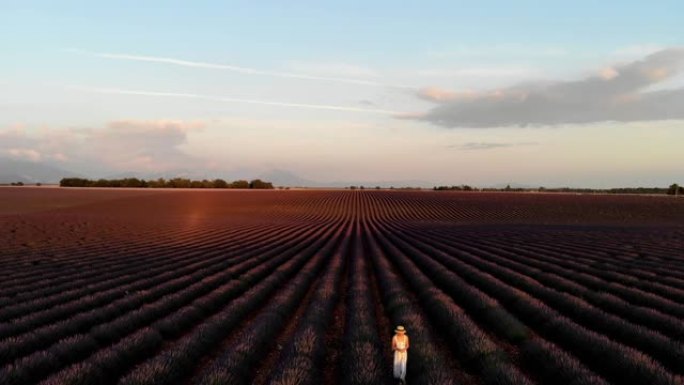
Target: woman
[400,345]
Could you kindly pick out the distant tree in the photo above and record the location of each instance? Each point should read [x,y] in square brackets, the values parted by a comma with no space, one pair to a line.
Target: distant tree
[463,187]
[260,184]
[115,183]
[675,189]
[132,182]
[100,183]
[219,183]
[239,184]
[353,187]
[161,182]
[73,182]
[179,183]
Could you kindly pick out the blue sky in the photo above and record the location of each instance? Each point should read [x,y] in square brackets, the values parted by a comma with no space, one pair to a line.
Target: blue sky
[439,91]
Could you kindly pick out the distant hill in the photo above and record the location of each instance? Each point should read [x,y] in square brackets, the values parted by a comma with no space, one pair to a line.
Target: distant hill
[31,172]
[287,178]
[383,183]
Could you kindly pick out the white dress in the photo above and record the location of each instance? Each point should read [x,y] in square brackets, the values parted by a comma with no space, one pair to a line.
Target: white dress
[400,358]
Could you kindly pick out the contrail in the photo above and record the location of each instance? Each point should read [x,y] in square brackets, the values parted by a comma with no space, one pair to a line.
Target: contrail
[225,67]
[230,100]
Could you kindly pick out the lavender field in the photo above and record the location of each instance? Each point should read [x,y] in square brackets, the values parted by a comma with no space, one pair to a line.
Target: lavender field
[305,287]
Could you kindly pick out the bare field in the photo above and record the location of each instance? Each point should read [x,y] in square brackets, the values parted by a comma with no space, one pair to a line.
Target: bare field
[109,286]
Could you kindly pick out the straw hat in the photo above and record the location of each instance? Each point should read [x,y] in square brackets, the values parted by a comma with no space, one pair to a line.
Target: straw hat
[400,329]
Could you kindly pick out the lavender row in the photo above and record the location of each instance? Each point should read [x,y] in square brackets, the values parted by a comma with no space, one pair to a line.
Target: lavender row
[303,357]
[363,354]
[78,260]
[162,266]
[552,364]
[143,257]
[427,364]
[585,278]
[627,276]
[668,352]
[613,360]
[176,363]
[120,295]
[472,345]
[111,331]
[170,326]
[236,362]
[174,315]
[650,318]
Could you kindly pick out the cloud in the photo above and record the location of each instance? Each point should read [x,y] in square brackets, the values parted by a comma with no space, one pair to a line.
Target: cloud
[232,100]
[638,50]
[489,145]
[477,72]
[23,154]
[247,70]
[618,93]
[435,94]
[15,144]
[39,145]
[608,73]
[143,144]
[122,145]
[61,157]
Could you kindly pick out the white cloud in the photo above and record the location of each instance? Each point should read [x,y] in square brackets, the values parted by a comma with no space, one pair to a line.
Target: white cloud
[150,145]
[618,93]
[479,72]
[638,50]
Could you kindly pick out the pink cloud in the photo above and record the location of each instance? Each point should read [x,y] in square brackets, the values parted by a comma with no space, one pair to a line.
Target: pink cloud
[24,154]
[122,145]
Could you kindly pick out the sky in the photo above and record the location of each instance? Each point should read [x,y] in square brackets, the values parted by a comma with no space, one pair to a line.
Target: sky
[581,94]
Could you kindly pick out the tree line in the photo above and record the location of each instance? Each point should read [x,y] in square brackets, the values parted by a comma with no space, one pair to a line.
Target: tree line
[164,183]
[674,189]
